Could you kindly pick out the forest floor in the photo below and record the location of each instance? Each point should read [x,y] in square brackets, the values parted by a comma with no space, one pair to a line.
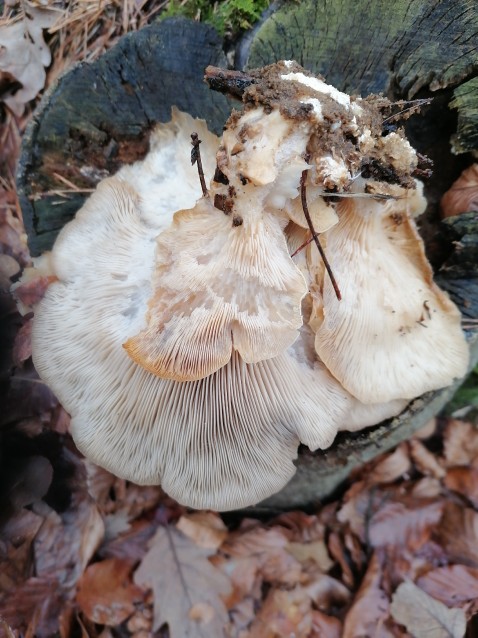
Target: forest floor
[83,553]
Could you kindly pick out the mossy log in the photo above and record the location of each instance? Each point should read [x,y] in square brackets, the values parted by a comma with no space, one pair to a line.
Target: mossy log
[98,116]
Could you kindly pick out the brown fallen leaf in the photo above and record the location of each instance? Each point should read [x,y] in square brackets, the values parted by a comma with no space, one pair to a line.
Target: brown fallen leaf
[370,607]
[457,533]
[324,626]
[463,480]
[181,577]
[426,462]
[409,521]
[315,551]
[106,593]
[452,585]
[460,442]
[425,617]
[22,346]
[284,613]
[268,548]
[337,551]
[390,467]
[206,529]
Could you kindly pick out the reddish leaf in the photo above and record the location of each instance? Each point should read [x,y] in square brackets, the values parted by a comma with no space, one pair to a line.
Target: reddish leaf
[458,534]
[460,443]
[464,480]
[22,346]
[370,608]
[106,593]
[284,613]
[452,585]
[410,522]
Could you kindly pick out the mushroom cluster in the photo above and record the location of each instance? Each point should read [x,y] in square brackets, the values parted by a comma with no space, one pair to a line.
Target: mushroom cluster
[195,344]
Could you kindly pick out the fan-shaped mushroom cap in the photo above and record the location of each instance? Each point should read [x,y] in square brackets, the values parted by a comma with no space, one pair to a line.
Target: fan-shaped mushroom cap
[395,334]
[219,288]
[225,441]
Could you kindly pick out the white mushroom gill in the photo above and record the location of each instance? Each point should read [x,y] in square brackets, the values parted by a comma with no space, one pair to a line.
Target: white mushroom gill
[192,350]
[225,441]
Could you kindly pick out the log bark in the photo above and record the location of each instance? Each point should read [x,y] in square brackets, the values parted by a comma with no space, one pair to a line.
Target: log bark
[98,117]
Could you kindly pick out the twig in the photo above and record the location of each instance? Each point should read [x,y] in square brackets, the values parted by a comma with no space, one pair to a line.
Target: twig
[196,158]
[232,83]
[413,105]
[303,197]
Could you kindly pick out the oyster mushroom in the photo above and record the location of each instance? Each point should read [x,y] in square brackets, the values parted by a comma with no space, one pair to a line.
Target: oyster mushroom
[190,348]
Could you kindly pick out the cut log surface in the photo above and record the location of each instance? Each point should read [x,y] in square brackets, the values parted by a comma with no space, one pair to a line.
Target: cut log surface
[98,117]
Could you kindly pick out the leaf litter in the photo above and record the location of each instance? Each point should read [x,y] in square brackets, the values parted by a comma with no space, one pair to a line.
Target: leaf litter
[85,553]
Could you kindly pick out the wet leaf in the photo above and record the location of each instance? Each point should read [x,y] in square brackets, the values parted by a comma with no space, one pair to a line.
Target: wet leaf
[181,577]
[425,617]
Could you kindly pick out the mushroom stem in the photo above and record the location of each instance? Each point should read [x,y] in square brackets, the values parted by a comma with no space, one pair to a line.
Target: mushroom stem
[231,83]
[196,158]
[303,197]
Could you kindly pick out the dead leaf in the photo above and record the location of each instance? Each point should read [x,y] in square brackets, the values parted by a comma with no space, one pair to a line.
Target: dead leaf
[24,54]
[457,533]
[180,575]
[284,613]
[204,528]
[268,548]
[408,521]
[451,585]
[426,462]
[337,551]
[22,346]
[464,480]
[460,443]
[391,467]
[324,626]
[315,551]
[32,480]
[425,617]
[106,593]
[370,607]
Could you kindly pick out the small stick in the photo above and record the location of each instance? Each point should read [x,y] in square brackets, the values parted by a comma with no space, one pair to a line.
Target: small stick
[231,83]
[304,245]
[196,157]
[413,105]
[303,197]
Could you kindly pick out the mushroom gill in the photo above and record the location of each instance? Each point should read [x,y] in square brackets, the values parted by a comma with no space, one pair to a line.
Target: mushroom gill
[196,342]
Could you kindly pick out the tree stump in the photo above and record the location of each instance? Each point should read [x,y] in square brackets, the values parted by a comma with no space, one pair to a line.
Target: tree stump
[98,115]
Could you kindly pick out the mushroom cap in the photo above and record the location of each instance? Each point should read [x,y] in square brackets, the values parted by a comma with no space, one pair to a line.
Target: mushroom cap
[219,288]
[395,334]
[224,441]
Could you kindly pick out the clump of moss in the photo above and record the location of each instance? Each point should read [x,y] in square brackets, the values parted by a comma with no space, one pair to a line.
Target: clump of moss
[226,16]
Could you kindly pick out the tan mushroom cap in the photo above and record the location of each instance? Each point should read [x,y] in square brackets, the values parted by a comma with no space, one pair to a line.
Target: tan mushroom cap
[395,334]
[219,288]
